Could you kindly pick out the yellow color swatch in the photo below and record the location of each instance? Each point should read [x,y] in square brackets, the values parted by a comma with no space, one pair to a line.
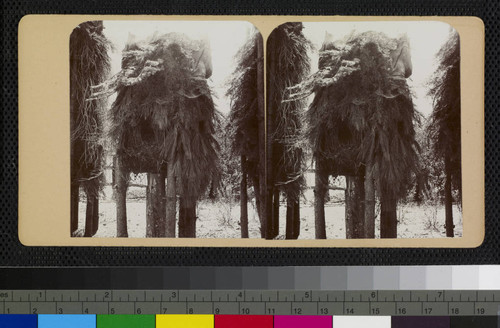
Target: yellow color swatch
[184,321]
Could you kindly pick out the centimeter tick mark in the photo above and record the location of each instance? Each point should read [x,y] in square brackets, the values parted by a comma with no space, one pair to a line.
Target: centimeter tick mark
[25,296]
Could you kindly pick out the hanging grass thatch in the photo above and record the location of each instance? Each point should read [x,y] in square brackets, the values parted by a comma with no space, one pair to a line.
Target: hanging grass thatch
[289,60]
[89,65]
[244,114]
[288,64]
[445,127]
[244,118]
[164,112]
[362,118]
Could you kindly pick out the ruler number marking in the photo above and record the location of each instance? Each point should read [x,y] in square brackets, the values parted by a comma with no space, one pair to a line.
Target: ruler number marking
[458,303]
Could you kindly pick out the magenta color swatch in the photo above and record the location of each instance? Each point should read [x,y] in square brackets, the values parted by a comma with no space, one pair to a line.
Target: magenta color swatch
[302,321]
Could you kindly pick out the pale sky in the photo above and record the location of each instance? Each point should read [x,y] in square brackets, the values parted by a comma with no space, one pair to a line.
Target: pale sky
[226,38]
[426,38]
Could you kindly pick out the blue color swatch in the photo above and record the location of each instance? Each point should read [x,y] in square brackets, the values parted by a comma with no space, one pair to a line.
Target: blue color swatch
[18,320]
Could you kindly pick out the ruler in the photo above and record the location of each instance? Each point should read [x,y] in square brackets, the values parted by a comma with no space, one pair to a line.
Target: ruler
[253,302]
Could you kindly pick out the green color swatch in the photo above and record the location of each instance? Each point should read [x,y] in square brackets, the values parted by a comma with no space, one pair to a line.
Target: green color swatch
[126,321]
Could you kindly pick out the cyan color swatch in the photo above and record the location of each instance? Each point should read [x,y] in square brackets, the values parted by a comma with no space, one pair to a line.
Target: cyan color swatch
[66,321]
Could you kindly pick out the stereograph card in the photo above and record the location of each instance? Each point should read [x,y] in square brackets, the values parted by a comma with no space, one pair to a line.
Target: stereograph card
[251,131]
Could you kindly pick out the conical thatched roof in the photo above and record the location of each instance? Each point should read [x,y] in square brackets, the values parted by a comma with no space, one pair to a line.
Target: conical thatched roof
[164,112]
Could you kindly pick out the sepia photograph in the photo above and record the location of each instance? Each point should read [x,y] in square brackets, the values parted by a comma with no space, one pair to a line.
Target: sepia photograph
[364,131]
[167,129]
[252,131]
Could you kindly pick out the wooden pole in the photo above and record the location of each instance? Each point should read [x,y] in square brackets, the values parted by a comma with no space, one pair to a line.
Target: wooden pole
[155,206]
[320,189]
[448,199]
[171,202]
[243,199]
[369,203]
[121,180]
[388,216]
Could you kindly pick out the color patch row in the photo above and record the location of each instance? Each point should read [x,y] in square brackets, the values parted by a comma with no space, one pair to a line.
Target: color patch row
[242,321]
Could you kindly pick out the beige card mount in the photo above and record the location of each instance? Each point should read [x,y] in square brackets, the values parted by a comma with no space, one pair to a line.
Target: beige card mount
[288,131]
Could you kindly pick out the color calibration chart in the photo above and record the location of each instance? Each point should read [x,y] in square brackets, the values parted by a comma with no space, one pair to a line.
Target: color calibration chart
[251,297]
[239,321]
[249,308]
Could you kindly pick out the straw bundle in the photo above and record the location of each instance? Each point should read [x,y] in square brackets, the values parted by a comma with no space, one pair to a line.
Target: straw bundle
[89,65]
[164,112]
[362,111]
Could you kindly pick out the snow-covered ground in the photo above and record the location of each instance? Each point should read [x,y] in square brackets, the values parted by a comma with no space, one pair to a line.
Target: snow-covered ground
[221,220]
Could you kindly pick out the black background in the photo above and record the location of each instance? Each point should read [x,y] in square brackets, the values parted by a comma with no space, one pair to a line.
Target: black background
[13,254]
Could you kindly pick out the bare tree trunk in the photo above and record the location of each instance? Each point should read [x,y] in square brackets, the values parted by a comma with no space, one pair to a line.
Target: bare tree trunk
[75,200]
[260,205]
[354,207]
[275,219]
[187,218]
[320,189]
[171,202]
[417,197]
[448,199]
[388,216]
[155,206]
[121,184]
[349,208]
[369,202]
[91,215]
[243,200]
[292,218]
[269,212]
[270,166]
[261,191]
[149,209]
[271,200]
[296,219]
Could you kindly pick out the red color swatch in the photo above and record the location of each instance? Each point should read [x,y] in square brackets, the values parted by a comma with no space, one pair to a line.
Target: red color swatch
[243,321]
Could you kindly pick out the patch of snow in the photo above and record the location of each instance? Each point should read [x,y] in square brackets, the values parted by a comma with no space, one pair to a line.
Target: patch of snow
[222,220]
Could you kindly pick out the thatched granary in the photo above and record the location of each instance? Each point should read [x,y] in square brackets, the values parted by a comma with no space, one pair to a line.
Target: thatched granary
[89,65]
[163,118]
[245,124]
[445,127]
[288,63]
[361,125]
